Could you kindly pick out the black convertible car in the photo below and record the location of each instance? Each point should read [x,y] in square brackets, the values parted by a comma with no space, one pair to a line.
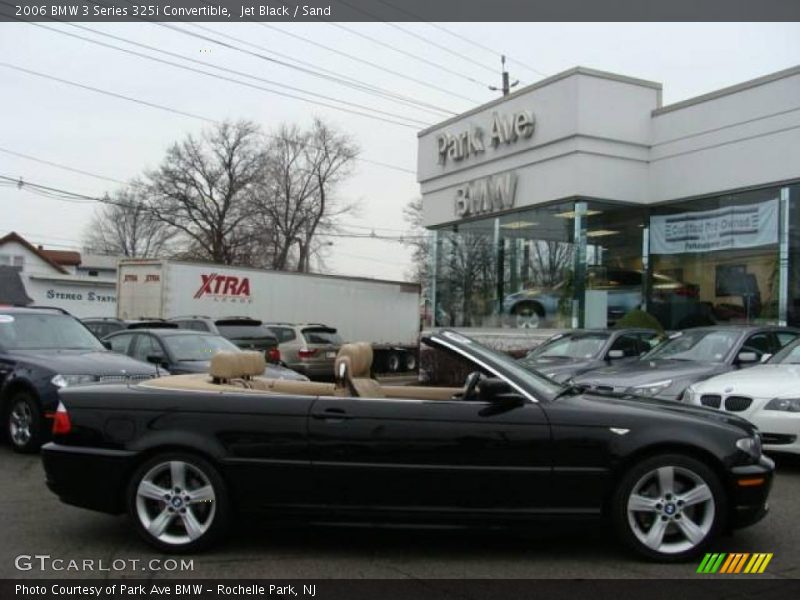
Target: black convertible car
[182,453]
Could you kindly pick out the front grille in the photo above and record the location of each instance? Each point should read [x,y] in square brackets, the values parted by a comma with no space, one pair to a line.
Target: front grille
[776,439]
[123,378]
[737,403]
[711,400]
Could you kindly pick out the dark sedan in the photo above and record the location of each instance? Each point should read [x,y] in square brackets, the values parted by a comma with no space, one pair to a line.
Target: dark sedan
[179,351]
[687,357]
[510,447]
[566,355]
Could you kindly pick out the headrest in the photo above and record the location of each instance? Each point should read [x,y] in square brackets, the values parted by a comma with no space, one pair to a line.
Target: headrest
[358,358]
[236,365]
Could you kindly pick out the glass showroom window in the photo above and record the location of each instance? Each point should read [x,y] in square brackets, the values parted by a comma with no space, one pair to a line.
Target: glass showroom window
[792,251]
[716,260]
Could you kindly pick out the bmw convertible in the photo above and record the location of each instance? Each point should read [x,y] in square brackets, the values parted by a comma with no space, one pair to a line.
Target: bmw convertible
[184,454]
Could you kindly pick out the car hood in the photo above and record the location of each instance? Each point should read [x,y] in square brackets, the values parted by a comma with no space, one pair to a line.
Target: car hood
[557,368]
[644,371]
[762,381]
[86,362]
[659,408]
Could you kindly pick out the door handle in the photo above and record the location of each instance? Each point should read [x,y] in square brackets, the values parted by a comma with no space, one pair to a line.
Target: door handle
[333,415]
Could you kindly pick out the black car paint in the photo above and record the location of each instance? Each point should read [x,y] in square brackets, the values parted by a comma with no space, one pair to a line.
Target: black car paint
[682,373]
[455,461]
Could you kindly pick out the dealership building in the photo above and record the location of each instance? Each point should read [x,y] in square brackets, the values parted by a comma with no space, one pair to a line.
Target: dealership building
[576,199]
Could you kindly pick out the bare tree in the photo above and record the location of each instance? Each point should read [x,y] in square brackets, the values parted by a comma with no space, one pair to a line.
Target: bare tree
[419,242]
[125,227]
[297,199]
[205,188]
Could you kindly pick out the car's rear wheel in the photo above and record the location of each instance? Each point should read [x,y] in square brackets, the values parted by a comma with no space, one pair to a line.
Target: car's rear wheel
[178,502]
[527,315]
[669,507]
[393,362]
[24,423]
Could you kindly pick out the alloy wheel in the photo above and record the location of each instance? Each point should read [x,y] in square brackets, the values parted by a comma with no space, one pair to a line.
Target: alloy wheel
[671,509]
[20,423]
[175,502]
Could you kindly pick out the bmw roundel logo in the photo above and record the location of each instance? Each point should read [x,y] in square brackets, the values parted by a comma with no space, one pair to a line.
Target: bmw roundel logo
[728,390]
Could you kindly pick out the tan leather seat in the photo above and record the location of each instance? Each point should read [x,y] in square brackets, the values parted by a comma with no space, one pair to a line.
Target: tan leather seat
[229,366]
[353,366]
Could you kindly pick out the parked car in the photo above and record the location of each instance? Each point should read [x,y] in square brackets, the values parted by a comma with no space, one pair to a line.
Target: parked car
[41,351]
[309,349]
[507,448]
[566,355]
[103,326]
[246,333]
[688,357]
[179,351]
[767,395]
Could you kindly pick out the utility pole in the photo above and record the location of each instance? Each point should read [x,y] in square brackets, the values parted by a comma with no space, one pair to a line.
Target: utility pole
[506,85]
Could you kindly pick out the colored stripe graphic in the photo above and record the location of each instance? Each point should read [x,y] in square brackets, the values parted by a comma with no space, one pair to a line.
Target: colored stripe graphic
[734,563]
[711,563]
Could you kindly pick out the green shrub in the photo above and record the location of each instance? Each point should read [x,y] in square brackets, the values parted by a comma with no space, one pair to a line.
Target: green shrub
[639,318]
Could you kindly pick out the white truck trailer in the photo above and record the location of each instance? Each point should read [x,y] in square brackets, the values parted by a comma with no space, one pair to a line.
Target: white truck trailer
[385,313]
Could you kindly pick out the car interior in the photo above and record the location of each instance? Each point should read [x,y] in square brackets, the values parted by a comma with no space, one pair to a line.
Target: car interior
[242,372]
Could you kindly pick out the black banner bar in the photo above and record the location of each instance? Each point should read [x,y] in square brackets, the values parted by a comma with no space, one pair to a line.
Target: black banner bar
[401,10]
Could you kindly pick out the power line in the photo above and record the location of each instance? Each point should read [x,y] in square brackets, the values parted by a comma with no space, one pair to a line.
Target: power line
[59,166]
[177,111]
[406,53]
[411,122]
[367,62]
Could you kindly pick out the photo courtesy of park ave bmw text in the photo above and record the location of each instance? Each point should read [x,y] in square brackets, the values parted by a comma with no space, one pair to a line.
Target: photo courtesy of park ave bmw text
[346,299]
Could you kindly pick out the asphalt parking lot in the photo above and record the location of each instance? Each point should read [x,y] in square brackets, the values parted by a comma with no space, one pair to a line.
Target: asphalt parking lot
[34,522]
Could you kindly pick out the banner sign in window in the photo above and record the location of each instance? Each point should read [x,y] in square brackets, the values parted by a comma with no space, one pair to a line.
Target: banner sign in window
[727,228]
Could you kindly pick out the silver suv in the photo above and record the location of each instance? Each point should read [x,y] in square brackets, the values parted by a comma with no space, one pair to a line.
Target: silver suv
[308,348]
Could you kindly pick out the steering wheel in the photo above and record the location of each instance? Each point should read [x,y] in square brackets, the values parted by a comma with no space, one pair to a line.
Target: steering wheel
[473,379]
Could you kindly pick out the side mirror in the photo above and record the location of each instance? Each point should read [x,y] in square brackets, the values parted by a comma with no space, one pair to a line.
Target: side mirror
[747,358]
[498,391]
[157,360]
[106,345]
[765,357]
[615,354]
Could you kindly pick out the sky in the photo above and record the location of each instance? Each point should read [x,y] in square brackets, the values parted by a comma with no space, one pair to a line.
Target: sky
[448,67]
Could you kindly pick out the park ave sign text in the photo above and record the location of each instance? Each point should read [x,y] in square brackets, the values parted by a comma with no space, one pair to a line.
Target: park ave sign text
[470,142]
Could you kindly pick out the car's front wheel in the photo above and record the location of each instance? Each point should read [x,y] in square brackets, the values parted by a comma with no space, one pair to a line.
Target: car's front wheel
[24,423]
[178,502]
[669,507]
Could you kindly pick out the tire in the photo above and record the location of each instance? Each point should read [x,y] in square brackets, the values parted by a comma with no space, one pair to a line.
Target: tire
[393,362]
[163,518]
[669,507]
[527,315]
[411,361]
[24,427]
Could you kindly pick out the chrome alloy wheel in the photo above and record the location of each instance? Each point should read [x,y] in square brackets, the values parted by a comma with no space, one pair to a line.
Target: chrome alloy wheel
[671,509]
[175,502]
[20,422]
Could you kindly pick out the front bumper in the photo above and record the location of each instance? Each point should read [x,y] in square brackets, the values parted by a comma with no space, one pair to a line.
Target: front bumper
[781,427]
[749,501]
[88,477]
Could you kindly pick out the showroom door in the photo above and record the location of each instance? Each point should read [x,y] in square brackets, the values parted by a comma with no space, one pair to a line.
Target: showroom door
[448,454]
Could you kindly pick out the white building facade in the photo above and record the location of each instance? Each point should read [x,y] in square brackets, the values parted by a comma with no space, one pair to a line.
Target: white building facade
[577,199]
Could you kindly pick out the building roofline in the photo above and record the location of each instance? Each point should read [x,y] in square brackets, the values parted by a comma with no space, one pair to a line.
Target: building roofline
[727,91]
[542,83]
[15,237]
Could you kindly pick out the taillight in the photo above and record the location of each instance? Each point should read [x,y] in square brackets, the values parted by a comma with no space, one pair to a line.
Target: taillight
[273,355]
[61,422]
[306,353]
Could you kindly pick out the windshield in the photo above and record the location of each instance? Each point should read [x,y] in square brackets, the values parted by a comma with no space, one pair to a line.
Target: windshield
[701,345]
[197,346]
[45,331]
[537,384]
[578,345]
[790,355]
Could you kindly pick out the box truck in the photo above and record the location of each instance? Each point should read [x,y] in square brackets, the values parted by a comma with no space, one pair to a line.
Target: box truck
[384,313]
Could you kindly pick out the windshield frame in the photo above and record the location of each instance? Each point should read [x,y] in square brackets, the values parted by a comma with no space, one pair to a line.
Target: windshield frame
[531,384]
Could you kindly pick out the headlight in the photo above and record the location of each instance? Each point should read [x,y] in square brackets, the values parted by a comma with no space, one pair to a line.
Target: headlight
[750,446]
[62,381]
[784,404]
[652,389]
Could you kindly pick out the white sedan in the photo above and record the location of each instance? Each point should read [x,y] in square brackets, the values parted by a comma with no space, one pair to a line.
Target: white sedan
[767,395]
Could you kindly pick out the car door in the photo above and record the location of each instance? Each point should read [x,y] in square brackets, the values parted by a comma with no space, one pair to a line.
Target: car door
[415,455]
[121,343]
[146,346]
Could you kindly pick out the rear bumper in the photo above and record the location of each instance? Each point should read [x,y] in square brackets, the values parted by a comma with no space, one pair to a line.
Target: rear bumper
[749,503]
[88,477]
[314,370]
